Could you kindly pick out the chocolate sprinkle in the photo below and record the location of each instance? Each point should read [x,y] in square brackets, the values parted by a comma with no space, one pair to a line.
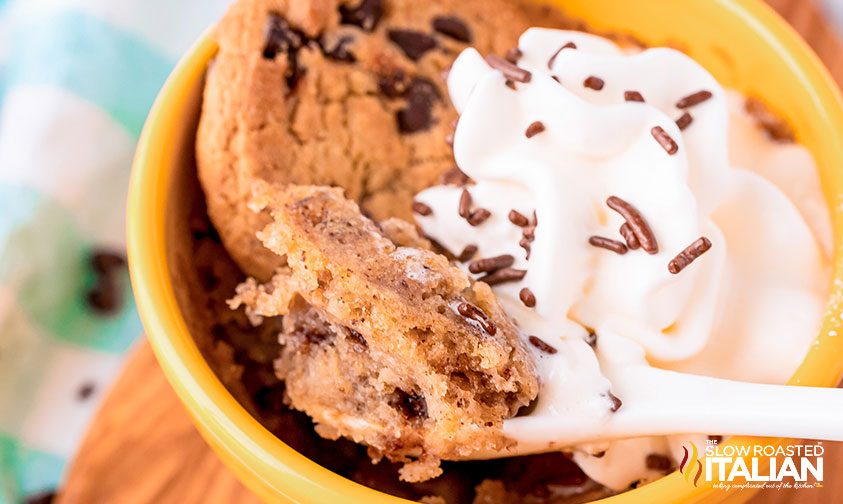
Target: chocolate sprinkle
[414,44]
[687,256]
[454,176]
[489,264]
[366,15]
[525,244]
[534,129]
[474,313]
[616,402]
[569,45]
[633,96]
[684,121]
[465,204]
[527,297]
[467,253]
[513,55]
[509,70]
[693,99]
[453,27]
[631,240]
[422,208]
[664,139]
[542,345]
[636,222]
[529,232]
[504,275]
[595,83]
[478,216]
[518,218]
[608,244]
[591,339]
[658,462]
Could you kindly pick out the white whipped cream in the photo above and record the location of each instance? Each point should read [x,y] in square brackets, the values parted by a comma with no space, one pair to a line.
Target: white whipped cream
[747,309]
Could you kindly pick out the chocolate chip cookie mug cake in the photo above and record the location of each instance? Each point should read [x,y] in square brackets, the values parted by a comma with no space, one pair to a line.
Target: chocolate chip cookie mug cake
[439,250]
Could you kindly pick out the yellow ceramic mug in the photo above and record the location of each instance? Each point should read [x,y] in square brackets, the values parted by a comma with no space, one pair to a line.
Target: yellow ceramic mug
[742,42]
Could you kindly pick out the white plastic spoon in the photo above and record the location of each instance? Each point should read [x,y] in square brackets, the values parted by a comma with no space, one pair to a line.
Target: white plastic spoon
[657,402]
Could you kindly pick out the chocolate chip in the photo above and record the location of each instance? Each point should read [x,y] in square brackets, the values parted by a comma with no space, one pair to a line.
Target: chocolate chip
[418,114]
[106,262]
[394,84]
[282,38]
[366,15]
[474,313]
[453,27]
[414,44]
[411,404]
[358,342]
[85,391]
[316,335]
[45,497]
[658,462]
[104,298]
[339,50]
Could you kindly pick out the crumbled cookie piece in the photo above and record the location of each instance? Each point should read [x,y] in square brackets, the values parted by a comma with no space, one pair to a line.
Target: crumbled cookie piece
[390,346]
[337,92]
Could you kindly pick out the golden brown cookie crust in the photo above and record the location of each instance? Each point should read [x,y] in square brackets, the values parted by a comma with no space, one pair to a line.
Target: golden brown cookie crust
[336,122]
[389,346]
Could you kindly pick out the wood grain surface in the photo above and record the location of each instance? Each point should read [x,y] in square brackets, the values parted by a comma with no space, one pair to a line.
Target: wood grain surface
[143,448]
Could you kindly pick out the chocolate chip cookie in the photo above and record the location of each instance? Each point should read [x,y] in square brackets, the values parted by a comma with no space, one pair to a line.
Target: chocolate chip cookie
[346,93]
[390,346]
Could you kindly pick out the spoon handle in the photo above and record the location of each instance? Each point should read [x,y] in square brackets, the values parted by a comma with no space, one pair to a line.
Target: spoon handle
[657,402]
[667,402]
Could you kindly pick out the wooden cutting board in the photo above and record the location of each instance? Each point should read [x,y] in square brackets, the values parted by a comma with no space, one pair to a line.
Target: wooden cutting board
[142,446]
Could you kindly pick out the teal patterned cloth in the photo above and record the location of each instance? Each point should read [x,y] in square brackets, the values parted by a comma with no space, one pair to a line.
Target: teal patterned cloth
[77,78]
